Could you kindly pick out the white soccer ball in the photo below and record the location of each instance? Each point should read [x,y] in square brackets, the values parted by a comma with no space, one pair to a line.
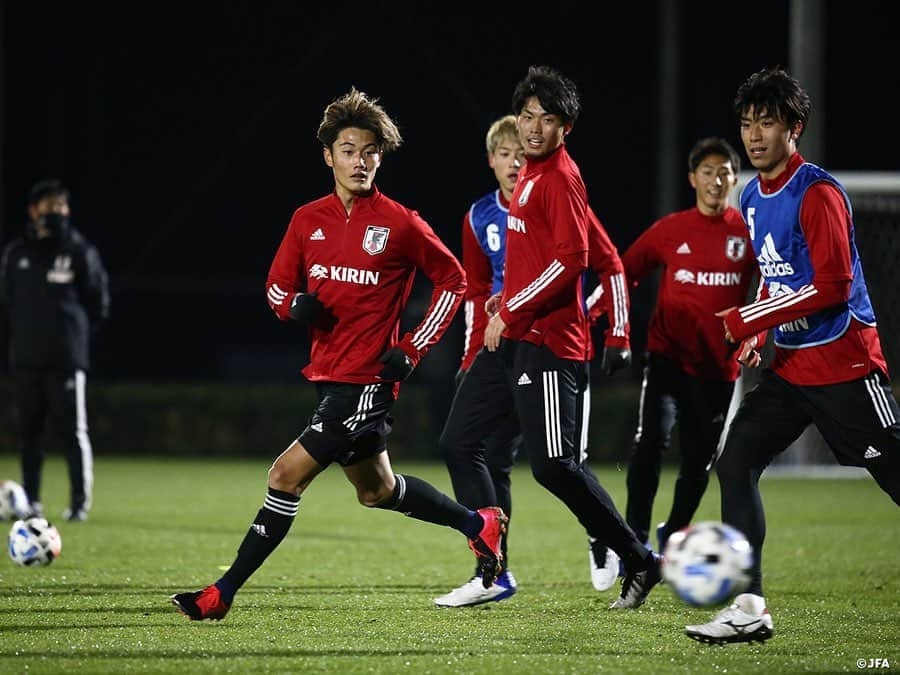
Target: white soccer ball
[707,563]
[13,501]
[34,542]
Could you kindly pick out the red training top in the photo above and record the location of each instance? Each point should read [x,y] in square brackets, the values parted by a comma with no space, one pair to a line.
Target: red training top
[603,258]
[707,266]
[546,252]
[362,267]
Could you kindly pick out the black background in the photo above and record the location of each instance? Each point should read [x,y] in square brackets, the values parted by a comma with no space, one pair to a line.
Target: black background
[186,134]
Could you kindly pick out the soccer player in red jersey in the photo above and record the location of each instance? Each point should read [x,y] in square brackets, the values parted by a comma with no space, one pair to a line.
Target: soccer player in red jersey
[481,438]
[707,265]
[828,367]
[539,326]
[345,269]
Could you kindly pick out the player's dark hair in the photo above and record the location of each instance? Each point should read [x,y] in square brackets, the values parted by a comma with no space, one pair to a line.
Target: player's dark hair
[557,94]
[772,91]
[712,146]
[49,187]
[356,109]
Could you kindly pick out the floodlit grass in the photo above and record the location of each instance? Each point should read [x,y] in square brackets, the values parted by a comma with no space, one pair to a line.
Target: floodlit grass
[350,589]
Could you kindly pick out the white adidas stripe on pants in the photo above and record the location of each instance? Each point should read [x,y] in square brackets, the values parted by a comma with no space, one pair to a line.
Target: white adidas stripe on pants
[365,404]
[880,402]
[83,439]
[552,426]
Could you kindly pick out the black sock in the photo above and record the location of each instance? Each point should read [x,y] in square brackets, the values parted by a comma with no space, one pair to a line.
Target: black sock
[420,500]
[270,526]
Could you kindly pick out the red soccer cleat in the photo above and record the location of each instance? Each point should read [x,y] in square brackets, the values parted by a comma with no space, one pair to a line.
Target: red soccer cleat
[486,545]
[199,605]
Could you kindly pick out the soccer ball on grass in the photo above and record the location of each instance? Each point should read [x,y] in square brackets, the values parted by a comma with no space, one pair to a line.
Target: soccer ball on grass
[34,542]
[707,563]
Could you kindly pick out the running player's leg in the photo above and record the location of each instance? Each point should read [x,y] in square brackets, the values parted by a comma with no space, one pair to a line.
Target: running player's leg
[289,475]
[368,467]
[546,388]
[603,563]
[860,421]
[702,406]
[343,413]
[768,420]
[481,405]
[501,449]
[377,486]
[546,406]
[770,417]
[656,417]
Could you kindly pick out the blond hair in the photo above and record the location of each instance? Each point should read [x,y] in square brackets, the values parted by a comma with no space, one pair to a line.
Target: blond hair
[505,127]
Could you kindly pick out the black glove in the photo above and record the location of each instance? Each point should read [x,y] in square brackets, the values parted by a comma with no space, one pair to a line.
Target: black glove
[397,365]
[615,358]
[305,306]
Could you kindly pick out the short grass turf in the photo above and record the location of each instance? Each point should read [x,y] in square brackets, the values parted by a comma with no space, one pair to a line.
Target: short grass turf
[350,590]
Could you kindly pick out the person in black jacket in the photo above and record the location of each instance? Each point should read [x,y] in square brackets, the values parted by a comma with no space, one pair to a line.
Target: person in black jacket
[54,286]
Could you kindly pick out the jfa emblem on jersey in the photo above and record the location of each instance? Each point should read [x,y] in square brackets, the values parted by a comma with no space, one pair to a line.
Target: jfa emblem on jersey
[735,248]
[375,239]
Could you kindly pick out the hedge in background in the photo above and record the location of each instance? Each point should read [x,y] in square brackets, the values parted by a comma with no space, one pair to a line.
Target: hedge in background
[213,419]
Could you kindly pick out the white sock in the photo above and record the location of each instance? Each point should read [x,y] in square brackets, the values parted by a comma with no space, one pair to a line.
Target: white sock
[750,603]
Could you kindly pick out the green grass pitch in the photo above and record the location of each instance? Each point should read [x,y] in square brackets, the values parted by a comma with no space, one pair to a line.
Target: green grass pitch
[350,589]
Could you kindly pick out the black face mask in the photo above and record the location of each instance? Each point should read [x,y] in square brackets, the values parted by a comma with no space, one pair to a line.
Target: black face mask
[54,222]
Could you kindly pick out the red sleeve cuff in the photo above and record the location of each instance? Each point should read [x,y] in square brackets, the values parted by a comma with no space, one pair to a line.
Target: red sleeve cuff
[515,323]
[734,324]
[614,341]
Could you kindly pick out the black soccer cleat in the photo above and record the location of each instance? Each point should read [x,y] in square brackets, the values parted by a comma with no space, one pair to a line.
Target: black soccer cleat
[637,585]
